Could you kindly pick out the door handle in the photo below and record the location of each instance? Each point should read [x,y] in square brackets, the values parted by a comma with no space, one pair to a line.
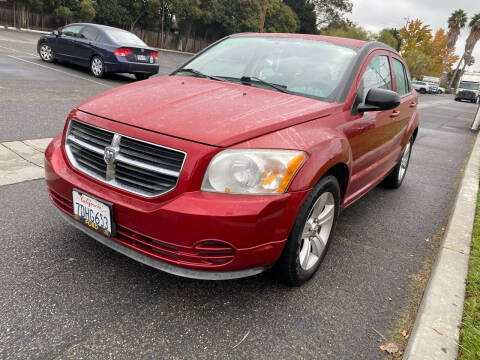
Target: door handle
[394,114]
[413,104]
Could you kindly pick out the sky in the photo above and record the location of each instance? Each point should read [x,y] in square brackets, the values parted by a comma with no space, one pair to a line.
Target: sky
[375,15]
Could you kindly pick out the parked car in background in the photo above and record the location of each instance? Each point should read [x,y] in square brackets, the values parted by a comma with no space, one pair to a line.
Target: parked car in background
[441,90]
[103,49]
[240,160]
[421,86]
[468,87]
[433,88]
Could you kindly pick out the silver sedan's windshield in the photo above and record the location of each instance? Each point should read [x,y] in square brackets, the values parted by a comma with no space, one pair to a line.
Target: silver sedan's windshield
[303,67]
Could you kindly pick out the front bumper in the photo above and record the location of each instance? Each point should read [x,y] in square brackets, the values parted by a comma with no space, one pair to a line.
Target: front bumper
[467,95]
[170,234]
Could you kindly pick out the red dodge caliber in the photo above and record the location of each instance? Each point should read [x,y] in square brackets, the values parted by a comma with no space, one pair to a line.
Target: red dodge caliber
[242,159]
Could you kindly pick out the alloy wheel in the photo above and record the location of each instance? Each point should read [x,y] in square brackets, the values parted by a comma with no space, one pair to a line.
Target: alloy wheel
[316,231]
[46,52]
[404,161]
[97,66]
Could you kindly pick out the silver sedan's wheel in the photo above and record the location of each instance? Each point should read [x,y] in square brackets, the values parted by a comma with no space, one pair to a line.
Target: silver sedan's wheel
[46,52]
[404,162]
[97,66]
[316,231]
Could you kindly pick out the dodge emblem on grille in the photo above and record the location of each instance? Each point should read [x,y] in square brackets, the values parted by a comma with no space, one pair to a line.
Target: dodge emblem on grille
[109,155]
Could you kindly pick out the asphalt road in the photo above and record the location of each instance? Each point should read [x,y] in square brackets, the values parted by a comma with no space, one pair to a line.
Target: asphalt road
[63,295]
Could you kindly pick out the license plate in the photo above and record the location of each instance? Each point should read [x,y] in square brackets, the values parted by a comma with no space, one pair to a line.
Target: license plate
[141,58]
[92,212]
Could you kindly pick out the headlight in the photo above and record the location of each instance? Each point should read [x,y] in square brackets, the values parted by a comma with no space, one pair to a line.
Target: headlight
[248,171]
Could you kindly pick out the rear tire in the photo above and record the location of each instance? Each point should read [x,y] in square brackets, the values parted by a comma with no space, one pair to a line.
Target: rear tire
[45,52]
[395,179]
[97,67]
[423,91]
[311,234]
[142,76]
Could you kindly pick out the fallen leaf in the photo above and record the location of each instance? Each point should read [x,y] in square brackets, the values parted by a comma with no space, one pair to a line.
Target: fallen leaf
[437,331]
[405,334]
[389,347]
[427,239]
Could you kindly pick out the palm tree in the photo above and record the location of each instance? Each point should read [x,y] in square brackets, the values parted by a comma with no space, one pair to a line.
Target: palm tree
[456,22]
[472,40]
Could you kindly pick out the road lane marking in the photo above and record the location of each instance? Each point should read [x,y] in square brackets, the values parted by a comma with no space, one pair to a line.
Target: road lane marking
[19,51]
[22,160]
[60,71]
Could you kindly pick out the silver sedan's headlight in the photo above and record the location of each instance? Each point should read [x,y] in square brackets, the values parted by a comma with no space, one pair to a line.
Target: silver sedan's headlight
[250,171]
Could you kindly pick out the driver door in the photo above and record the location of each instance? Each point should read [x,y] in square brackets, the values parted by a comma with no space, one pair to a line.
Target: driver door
[370,134]
[66,42]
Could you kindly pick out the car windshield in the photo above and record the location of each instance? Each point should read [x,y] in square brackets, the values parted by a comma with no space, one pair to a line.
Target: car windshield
[124,37]
[468,85]
[304,67]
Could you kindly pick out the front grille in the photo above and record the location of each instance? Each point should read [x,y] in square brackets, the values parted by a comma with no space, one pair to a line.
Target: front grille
[136,166]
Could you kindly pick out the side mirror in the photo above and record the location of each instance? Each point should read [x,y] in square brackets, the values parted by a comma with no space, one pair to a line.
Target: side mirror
[379,99]
[56,33]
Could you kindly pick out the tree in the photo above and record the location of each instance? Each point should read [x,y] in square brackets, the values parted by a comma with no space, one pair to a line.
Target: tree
[87,10]
[331,12]
[418,63]
[438,51]
[305,11]
[390,37]
[472,40]
[63,15]
[414,34]
[351,32]
[281,18]
[456,22]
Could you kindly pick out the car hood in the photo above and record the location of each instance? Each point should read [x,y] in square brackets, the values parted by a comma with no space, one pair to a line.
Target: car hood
[205,111]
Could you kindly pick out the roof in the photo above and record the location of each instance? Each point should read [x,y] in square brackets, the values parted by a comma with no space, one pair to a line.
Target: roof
[103,27]
[332,39]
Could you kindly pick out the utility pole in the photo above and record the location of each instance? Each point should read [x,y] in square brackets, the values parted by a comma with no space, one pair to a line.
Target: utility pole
[264,16]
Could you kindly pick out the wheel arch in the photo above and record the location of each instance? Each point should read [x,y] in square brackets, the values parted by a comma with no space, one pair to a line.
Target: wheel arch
[341,172]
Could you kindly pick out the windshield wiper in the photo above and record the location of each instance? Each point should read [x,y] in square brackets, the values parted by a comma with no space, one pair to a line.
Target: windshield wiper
[248,79]
[199,73]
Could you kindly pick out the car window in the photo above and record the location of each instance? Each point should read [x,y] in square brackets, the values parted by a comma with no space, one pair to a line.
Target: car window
[90,33]
[303,67]
[377,75]
[402,88]
[409,80]
[72,30]
[124,37]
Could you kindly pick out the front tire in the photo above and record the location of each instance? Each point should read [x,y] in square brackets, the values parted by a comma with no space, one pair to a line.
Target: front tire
[423,91]
[311,234]
[395,179]
[45,52]
[97,67]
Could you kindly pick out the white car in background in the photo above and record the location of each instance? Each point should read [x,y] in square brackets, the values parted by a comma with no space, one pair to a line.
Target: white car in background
[422,87]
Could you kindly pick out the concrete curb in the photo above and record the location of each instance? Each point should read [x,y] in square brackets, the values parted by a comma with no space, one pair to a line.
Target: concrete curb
[27,30]
[436,331]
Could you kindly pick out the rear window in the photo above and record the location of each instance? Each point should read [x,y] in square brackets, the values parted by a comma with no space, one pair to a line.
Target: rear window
[124,37]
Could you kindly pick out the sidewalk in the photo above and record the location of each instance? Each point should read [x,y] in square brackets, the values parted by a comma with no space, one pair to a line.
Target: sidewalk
[436,331]
[22,160]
